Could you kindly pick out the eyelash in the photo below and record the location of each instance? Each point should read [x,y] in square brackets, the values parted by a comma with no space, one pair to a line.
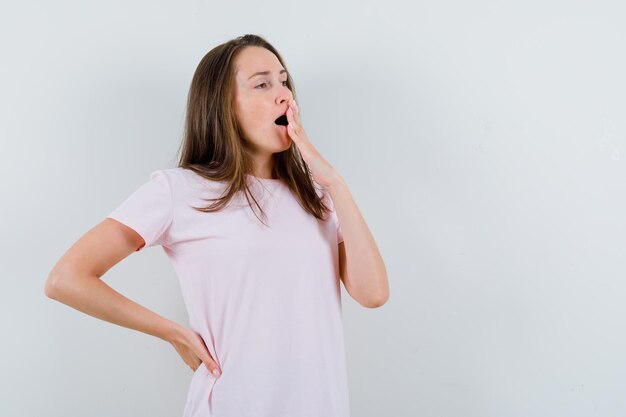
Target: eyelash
[266,83]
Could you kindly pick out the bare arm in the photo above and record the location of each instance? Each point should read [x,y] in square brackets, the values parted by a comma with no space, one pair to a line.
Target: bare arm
[361,266]
[75,281]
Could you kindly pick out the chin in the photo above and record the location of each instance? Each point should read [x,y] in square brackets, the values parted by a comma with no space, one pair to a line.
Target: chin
[281,144]
[272,143]
[282,148]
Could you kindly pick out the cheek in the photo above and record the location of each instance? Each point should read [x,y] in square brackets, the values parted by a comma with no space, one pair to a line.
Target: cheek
[248,112]
[254,114]
[255,118]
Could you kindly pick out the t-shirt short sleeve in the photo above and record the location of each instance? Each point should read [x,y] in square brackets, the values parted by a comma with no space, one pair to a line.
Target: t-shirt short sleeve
[148,210]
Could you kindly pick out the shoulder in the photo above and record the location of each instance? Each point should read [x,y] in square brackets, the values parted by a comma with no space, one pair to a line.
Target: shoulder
[171,174]
[186,183]
[186,175]
[178,176]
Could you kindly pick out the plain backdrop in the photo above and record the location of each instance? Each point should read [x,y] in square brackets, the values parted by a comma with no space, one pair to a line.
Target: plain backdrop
[483,142]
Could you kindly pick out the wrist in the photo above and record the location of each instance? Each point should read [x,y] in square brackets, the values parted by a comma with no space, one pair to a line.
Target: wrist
[172,332]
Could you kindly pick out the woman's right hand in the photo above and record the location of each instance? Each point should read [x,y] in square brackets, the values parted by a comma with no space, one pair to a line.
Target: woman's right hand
[191,347]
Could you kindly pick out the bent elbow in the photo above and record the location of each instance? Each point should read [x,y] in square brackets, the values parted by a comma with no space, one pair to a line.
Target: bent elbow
[57,284]
[376,301]
[51,287]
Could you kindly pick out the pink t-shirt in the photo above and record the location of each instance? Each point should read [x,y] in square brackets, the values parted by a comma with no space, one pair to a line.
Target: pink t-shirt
[266,300]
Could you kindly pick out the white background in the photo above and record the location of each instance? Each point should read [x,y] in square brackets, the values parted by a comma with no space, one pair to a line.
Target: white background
[483,142]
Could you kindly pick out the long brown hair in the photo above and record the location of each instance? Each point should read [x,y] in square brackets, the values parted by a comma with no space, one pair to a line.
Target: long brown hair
[212,141]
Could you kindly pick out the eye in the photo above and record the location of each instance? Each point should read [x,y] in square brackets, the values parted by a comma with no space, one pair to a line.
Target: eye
[284,83]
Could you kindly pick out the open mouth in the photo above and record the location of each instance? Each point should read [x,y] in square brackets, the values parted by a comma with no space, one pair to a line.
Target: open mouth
[282,120]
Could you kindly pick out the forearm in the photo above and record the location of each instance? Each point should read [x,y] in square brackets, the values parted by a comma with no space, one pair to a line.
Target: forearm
[93,296]
[366,275]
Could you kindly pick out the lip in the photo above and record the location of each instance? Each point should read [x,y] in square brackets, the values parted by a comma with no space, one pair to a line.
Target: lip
[285,126]
[280,114]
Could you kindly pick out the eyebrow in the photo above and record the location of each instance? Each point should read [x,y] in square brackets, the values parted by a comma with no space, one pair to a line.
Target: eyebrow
[265,73]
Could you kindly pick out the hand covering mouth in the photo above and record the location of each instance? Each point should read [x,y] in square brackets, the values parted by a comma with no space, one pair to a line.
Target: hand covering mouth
[282,120]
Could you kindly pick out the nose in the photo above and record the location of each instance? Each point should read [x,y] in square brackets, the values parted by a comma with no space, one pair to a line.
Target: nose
[283,96]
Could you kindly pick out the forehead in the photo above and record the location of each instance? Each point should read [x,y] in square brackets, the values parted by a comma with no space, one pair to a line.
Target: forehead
[254,59]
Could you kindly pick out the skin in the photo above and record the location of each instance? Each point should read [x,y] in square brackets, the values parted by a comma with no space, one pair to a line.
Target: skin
[75,279]
[258,102]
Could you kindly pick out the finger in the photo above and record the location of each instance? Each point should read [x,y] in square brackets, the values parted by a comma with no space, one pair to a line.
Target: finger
[213,369]
[295,112]
[206,358]
[211,366]
[291,122]
[292,132]
[294,106]
[290,119]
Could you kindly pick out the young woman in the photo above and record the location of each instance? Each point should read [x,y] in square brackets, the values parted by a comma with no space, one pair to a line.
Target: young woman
[259,267]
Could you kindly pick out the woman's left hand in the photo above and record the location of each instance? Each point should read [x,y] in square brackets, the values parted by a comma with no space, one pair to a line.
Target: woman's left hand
[323,173]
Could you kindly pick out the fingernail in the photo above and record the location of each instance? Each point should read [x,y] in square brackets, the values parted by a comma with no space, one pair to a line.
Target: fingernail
[216,372]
